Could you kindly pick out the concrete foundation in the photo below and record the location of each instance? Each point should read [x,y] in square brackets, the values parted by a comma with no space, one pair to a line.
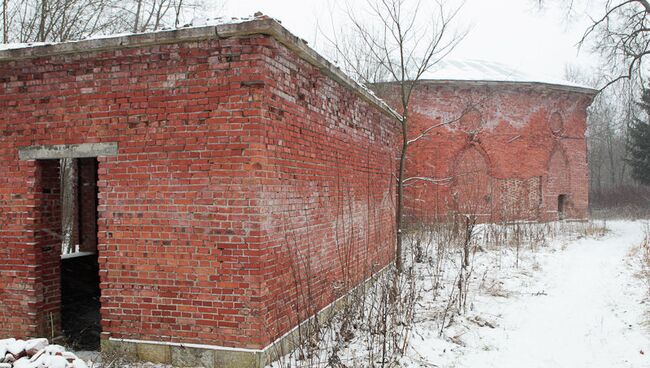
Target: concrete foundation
[208,356]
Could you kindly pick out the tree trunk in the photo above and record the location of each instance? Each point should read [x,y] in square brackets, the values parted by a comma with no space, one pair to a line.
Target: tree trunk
[41,25]
[400,195]
[137,16]
[69,202]
[5,29]
[178,12]
[612,163]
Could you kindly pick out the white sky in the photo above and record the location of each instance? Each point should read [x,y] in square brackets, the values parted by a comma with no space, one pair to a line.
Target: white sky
[512,32]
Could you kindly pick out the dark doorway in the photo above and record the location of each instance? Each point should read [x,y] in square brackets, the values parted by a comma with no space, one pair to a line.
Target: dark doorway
[80,292]
[561,206]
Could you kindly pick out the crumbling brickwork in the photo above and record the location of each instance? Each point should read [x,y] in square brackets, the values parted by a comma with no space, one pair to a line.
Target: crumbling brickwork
[330,204]
[244,176]
[503,151]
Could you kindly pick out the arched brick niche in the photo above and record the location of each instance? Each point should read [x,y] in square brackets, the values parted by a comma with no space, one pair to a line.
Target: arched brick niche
[472,187]
[470,120]
[556,122]
[558,183]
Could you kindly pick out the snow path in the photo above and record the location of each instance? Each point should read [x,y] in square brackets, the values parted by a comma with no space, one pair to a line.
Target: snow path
[590,313]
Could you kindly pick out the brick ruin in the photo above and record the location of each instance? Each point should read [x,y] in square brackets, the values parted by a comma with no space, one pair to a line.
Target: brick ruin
[230,183]
[502,151]
[242,184]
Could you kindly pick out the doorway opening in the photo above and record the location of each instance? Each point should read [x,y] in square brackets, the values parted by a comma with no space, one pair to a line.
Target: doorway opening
[80,291]
[561,206]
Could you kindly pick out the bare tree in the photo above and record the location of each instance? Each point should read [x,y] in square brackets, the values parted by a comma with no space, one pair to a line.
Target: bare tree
[62,20]
[57,20]
[620,34]
[610,115]
[151,15]
[398,41]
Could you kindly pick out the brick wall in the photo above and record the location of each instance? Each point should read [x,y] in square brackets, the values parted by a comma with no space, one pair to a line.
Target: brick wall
[233,170]
[329,191]
[48,248]
[516,129]
[175,207]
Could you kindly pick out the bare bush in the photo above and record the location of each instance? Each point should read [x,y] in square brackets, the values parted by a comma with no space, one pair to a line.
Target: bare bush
[626,202]
[644,256]
[444,273]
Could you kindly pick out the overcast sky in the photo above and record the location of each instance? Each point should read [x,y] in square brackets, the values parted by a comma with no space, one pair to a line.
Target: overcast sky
[512,32]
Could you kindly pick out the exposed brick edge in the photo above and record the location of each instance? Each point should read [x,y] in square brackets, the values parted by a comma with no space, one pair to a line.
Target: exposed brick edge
[490,83]
[269,27]
[283,345]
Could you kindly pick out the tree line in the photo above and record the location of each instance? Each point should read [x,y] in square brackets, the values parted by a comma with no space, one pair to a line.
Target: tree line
[61,20]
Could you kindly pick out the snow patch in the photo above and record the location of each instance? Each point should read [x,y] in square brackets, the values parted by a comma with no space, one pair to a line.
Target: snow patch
[37,353]
[480,70]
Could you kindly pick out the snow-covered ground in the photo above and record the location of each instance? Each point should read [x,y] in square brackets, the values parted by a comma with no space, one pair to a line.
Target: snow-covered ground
[572,303]
[569,295]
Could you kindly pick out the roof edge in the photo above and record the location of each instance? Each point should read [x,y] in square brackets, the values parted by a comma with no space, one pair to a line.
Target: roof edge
[554,86]
[264,26]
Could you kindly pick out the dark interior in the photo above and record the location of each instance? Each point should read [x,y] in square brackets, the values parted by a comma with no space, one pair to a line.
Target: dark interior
[561,204]
[80,292]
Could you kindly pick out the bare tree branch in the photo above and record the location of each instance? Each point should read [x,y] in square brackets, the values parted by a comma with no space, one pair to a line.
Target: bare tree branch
[62,20]
[428,179]
[621,35]
[401,43]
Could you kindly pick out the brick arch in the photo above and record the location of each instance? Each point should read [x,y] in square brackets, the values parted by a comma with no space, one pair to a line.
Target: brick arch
[558,179]
[471,120]
[556,122]
[472,188]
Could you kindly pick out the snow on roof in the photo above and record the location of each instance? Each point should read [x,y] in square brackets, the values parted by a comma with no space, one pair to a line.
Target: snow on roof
[201,22]
[224,27]
[488,71]
[17,45]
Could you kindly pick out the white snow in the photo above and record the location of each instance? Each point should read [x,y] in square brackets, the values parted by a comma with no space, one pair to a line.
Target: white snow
[480,70]
[584,307]
[572,297]
[37,353]
[200,22]
[18,45]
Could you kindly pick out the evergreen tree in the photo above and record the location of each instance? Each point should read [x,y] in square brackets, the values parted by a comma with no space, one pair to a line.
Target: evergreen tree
[639,143]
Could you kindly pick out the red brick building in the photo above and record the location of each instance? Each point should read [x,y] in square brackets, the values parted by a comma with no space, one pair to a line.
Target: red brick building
[231,183]
[507,146]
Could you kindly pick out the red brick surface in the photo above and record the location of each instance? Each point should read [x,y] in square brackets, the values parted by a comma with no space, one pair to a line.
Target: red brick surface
[504,151]
[329,191]
[244,178]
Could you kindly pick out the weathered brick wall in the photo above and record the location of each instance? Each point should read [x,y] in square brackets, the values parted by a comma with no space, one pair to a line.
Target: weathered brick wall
[329,191]
[176,206]
[29,212]
[238,165]
[513,129]
[48,224]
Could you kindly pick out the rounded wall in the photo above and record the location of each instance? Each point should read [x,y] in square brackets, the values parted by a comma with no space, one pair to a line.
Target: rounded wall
[516,128]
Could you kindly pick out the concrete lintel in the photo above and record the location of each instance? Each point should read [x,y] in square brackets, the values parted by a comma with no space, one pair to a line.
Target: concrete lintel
[48,152]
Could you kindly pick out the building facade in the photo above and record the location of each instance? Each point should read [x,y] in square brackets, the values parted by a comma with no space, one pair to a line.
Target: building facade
[501,146]
[220,171]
